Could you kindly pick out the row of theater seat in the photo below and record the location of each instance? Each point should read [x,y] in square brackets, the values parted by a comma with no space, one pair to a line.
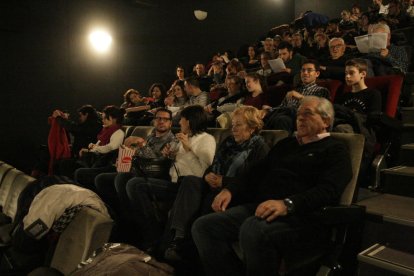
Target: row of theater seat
[88,231]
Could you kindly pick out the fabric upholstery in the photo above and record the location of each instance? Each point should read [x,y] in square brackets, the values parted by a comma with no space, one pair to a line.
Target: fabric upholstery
[88,231]
[7,184]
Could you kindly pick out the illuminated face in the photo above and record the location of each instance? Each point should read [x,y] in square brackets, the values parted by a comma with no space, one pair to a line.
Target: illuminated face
[336,49]
[180,73]
[162,121]
[135,98]
[253,85]
[185,125]
[251,52]
[199,68]
[296,41]
[309,122]
[308,73]
[240,129]
[285,55]
[268,45]
[178,91]
[156,93]
[108,121]
[232,86]
[264,61]
[353,75]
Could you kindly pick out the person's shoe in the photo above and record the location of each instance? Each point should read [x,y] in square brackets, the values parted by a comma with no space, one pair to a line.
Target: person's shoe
[172,253]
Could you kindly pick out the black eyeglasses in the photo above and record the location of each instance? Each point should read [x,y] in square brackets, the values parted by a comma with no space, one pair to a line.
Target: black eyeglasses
[162,119]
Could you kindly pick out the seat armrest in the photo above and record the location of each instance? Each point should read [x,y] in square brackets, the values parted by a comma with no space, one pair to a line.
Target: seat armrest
[383,120]
[341,214]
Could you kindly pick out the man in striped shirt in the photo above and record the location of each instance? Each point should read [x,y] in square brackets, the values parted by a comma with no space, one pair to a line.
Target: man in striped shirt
[284,116]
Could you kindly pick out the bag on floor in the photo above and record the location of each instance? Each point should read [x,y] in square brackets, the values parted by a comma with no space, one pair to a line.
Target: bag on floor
[122,259]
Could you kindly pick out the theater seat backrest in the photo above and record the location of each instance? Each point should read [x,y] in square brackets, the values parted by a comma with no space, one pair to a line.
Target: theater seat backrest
[142,131]
[88,231]
[271,137]
[4,169]
[390,87]
[332,86]
[20,182]
[7,184]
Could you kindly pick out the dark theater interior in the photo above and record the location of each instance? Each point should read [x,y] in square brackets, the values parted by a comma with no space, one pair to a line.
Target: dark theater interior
[207,137]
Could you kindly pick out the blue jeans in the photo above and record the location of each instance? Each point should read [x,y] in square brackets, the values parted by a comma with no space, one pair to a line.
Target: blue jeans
[263,244]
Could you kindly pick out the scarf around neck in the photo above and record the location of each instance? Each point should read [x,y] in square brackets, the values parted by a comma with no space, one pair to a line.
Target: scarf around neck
[232,156]
[105,134]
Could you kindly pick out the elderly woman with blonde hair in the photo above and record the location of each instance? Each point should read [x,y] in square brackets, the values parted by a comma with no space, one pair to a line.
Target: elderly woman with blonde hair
[233,156]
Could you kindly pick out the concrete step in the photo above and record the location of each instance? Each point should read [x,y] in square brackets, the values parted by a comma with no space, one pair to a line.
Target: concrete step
[398,180]
[407,155]
[390,221]
[384,260]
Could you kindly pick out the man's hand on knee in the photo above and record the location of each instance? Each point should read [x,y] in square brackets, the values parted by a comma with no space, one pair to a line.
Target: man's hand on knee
[271,209]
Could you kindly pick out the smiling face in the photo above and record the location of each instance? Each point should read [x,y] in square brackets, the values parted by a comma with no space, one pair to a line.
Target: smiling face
[308,73]
[156,93]
[309,122]
[336,48]
[178,91]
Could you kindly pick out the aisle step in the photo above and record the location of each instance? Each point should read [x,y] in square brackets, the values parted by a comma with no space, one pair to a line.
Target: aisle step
[383,260]
[398,180]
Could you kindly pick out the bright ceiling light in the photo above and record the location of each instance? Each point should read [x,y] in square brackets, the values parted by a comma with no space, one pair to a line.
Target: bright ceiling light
[100,40]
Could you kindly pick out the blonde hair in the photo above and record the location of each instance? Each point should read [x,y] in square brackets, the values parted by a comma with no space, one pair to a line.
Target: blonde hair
[252,117]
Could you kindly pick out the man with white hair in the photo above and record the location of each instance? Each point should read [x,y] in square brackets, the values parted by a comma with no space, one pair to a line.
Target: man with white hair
[393,56]
[333,67]
[300,175]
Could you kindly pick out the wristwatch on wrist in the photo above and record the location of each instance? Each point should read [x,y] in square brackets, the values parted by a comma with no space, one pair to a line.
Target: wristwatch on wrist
[289,205]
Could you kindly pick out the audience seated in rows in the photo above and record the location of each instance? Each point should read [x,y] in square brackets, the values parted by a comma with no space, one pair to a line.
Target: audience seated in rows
[275,199]
[284,116]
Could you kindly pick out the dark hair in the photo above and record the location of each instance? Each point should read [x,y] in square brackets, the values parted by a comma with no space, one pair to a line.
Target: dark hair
[260,78]
[314,62]
[285,45]
[163,109]
[89,110]
[114,112]
[360,63]
[128,94]
[180,83]
[236,78]
[161,87]
[193,81]
[236,64]
[197,117]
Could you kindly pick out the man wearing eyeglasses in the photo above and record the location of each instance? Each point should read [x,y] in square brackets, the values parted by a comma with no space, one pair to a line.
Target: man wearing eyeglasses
[283,116]
[161,135]
[333,67]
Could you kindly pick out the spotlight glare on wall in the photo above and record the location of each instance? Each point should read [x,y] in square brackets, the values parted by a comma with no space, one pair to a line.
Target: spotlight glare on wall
[100,40]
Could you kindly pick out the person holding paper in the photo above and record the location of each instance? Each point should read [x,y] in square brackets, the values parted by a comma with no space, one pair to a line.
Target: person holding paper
[293,62]
[266,70]
[393,58]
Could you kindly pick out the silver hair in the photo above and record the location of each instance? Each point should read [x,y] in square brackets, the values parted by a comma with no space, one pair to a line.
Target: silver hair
[383,26]
[336,38]
[324,108]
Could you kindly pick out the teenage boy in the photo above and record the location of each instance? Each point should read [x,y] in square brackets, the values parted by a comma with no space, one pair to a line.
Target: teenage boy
[361,99]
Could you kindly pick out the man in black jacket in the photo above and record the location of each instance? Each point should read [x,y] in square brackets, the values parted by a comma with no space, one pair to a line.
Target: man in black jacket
[300,175]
